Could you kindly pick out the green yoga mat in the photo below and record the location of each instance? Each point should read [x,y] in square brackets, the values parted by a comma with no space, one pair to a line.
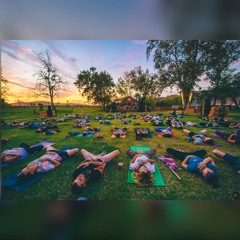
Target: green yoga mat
[158,179]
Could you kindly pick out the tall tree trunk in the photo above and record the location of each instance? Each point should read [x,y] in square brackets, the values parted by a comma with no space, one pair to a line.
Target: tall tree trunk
[52,104]
[186,99]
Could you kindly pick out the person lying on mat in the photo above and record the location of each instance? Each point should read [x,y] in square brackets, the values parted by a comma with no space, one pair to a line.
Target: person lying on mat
[167,133]
[198,137]
[230,137]
[90,169]
[195,163]
[233,160]
[177,124]
[140,133]
[50,160]
[22,151]
[234,125]
[143,166]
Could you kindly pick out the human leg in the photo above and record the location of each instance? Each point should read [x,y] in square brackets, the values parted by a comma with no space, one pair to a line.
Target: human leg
[108,157]
[218,153]
[49,147]
[151,153]
[199,153]
[31,149]
[178,154]
[204,131]
[131,153]
[185,132]
[86,154]
[71,152]
[182,155]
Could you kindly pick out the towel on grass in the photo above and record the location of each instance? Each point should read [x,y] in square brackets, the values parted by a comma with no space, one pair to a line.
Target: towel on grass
[44,144]
[17,185]
[158,179]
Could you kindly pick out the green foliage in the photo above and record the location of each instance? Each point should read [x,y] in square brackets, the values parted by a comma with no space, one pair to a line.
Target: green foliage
[98,87]
[4,89]
[169,101]
[179,62]
[125,86]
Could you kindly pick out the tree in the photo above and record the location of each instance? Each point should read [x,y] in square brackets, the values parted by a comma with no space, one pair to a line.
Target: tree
[4,88]
[180,62]
[98,87]
[124,86]
[218,56]
[229,86]
[67,101]
[48,79]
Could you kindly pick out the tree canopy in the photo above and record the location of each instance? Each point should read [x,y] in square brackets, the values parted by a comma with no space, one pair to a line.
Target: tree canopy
[181,62]
[96,86]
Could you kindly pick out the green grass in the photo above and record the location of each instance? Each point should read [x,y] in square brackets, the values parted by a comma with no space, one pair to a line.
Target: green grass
[56,185]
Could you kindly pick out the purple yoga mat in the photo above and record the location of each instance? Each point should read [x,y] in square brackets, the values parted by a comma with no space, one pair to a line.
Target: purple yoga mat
[215,135]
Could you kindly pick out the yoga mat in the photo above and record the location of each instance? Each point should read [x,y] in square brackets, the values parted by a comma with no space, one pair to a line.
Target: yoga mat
[158,179]
[15,184]
[44,144]
[88,135]
[215,135]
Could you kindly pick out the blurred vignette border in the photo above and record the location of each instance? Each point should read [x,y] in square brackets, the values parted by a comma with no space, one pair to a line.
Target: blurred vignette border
[153,19]
[126,19]
[141,219]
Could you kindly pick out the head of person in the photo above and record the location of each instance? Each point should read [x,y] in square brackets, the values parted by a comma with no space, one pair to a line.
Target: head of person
[208,141]
[144,178]
[28,172]
[210,177]
[79,184]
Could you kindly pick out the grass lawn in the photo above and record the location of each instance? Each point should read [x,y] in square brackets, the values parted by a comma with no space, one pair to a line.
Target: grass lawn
[56,185]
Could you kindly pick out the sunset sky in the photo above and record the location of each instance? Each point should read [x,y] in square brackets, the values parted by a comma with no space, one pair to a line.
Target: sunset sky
[70,56]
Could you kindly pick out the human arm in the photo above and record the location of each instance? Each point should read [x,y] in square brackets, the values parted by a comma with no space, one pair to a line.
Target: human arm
[134,158]
[230,138]
[54,162]
[185,161]
[149,160]
[203,164]
[11,157]
[92,162]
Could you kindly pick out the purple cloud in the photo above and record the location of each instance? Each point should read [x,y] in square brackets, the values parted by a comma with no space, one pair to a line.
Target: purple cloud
[28,53]
[21,85]
[12,55]
[69,60]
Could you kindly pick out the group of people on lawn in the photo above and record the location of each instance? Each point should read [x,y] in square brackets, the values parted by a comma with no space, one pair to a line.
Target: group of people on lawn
[93,166]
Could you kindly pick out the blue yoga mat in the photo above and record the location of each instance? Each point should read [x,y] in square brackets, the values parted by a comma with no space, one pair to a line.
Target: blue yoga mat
[15,184]
[88,135]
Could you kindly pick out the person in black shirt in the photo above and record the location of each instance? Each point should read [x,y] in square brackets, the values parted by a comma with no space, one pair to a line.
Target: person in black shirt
[91,169]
